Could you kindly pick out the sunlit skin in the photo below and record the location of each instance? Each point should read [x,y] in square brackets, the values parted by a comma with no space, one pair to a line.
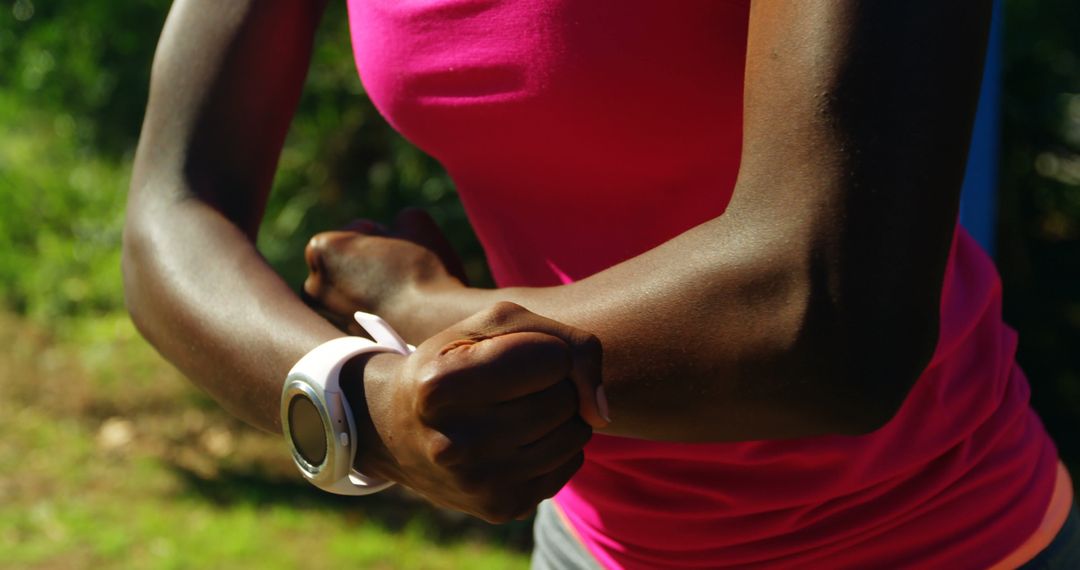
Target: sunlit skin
[809,308]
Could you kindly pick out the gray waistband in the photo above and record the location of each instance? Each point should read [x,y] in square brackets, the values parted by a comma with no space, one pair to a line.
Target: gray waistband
[556,548]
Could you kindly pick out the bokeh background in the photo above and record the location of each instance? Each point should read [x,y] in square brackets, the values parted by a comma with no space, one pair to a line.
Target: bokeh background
[109,458]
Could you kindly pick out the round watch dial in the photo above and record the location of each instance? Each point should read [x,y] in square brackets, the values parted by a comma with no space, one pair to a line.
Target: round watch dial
[306,430]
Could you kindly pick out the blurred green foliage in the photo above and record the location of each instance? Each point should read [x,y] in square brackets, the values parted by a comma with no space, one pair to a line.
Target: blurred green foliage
[1039,207]
[61,217]
[73,84]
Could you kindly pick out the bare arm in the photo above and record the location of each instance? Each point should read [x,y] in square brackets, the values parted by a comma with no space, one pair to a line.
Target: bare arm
[483,418]
[226,80]
[811,306]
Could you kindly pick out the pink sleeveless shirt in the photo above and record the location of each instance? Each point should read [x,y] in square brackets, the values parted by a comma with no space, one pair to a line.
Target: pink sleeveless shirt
[582,133]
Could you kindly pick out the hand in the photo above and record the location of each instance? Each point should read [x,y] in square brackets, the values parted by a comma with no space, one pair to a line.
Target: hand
[483,417]
[391,273]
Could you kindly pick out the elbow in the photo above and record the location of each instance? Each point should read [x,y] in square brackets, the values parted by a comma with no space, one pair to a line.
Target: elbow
[876,363]
[133,252]
[866,334]
[898,371]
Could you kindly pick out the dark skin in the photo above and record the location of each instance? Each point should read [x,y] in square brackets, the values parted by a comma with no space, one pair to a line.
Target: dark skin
[481,417]
[201,293]
[809,308]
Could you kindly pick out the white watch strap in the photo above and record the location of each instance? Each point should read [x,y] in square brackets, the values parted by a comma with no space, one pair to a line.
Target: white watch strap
[323,363]
[322,367]
[382,332]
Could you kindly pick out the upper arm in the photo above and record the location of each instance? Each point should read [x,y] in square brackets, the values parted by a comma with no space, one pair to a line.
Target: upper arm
[880,92]
[225,82]
[857,119]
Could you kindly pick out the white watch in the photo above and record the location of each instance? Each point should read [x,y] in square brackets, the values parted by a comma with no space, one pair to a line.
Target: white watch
[316,418]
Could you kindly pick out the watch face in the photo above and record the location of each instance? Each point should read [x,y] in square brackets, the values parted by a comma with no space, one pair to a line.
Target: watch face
[306,430]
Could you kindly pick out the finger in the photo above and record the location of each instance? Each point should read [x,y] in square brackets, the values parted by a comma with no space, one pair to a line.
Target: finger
[587,377]
[471,372]
[315,283]
[323,252]
[554,449]
[496,434]
[312,255]
[549,484]
[586,351]
[320,294]
[536,415]
[417,226]
[320,246]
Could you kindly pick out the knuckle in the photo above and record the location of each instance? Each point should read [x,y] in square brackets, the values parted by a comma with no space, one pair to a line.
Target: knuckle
[316,243]
[443,451]
[321,243]
[432,384]
[502,312]
[313,285]
[324,251]
[329,244]
[313,254]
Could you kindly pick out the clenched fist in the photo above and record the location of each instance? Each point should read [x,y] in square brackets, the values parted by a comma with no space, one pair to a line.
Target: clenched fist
[392,272]
[484,416]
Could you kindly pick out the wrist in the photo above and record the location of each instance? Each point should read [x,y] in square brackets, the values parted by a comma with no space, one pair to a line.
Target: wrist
[363,379]
[432,308]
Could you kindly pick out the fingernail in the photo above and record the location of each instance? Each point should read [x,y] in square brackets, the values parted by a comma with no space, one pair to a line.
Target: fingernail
[601,404]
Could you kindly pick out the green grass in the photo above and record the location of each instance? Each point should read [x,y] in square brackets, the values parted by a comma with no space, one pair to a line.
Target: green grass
[110,460]
[62,214]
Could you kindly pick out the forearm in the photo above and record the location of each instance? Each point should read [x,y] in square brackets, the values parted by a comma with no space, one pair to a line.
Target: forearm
[203,296]
[225,82]
[706,346]
[810,306]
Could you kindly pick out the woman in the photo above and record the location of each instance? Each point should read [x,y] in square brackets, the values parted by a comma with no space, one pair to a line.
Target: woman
[751,207]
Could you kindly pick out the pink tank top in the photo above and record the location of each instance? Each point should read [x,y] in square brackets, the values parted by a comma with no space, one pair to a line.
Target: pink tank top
[582,133]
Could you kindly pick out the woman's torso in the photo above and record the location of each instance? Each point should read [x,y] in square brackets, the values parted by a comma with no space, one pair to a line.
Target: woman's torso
[580,134]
